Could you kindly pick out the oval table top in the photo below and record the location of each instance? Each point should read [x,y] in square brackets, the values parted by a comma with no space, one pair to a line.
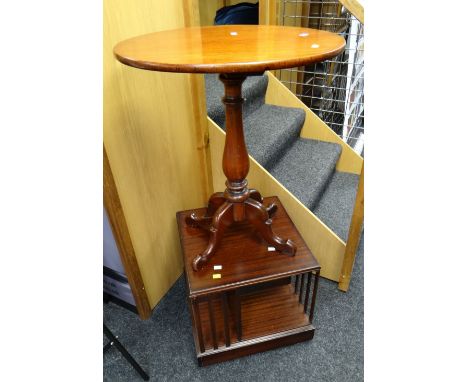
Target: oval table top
[229,49]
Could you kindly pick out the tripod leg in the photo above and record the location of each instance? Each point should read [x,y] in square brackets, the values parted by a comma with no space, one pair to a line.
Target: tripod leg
[271,209]
[114,341]
[255,195]
[221,220]
[216,201]
[258,216]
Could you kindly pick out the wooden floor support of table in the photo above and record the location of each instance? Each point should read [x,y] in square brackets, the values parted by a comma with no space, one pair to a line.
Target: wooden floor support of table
[238,203]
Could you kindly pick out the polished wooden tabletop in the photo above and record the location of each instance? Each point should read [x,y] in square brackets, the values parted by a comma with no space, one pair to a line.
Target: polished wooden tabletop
[229,49]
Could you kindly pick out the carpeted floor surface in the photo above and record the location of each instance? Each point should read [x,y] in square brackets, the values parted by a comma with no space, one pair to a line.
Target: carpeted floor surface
[163,345]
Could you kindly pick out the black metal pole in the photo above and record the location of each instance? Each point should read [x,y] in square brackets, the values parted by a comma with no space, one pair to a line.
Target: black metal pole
[114,341]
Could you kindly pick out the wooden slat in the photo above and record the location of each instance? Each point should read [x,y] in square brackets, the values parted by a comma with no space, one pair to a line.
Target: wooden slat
[306,299]
[267,12]
[124,242]
[196,308]
[238,314]
[208,11]
[354,236]
[302,287]
[314,296]
[214,337]
[226,315]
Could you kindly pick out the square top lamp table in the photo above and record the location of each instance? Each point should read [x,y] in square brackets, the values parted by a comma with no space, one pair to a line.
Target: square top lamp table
[234,51]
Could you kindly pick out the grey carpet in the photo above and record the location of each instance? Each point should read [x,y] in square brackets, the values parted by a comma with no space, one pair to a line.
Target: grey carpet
[270,131]
[335,207]
[303,166]
[253,91]
[163,345]
[306,169]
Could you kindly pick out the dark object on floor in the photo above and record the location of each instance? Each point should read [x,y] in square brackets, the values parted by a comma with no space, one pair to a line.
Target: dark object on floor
[242,13]
[114,341]
[251,305]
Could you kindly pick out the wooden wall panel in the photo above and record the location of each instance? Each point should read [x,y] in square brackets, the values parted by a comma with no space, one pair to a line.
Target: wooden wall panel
[267,12]
[155,140]
[208,8]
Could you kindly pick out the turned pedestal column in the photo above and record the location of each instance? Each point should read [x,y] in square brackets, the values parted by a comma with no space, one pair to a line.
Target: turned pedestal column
[238,202]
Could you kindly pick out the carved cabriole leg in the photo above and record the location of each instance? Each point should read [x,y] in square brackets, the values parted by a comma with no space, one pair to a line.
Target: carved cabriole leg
[255,195]
[222,220]
[271,209]
[215,202]
[258,216]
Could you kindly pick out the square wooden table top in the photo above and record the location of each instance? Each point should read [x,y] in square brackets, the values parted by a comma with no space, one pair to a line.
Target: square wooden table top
[243,255]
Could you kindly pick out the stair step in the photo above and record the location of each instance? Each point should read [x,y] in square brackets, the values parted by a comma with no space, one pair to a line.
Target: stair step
[336,205]
[270,131]
[253,90]
[306,168]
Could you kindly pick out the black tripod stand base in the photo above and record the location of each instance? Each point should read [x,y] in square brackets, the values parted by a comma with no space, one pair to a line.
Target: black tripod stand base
[115,342]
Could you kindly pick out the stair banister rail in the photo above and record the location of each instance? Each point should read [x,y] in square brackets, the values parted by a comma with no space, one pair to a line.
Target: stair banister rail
[355,8]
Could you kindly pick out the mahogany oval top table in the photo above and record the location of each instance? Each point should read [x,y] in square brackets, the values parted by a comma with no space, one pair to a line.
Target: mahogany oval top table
[234,51]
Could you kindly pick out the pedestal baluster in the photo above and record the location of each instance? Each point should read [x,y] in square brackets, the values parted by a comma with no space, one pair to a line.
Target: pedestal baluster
[238,202]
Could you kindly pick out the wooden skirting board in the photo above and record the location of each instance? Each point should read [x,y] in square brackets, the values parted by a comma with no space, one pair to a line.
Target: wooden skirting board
[326,246]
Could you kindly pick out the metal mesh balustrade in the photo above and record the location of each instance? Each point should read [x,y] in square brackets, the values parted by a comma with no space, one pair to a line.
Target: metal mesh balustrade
[333,89]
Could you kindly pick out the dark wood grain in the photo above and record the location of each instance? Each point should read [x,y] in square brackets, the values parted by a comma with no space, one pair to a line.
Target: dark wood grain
[253,306]
[243,254]
[268,313]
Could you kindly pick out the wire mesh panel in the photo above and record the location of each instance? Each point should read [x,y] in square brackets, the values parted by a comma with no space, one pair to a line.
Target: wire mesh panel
[333,89]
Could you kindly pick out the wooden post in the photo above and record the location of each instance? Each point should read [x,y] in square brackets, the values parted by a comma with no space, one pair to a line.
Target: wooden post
[354,236]
[196,308]
[212,322]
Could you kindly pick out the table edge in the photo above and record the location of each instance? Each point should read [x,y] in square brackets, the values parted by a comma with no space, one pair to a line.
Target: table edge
[229,67]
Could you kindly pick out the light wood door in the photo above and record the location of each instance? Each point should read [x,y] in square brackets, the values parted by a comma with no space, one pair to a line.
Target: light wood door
[154,136]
